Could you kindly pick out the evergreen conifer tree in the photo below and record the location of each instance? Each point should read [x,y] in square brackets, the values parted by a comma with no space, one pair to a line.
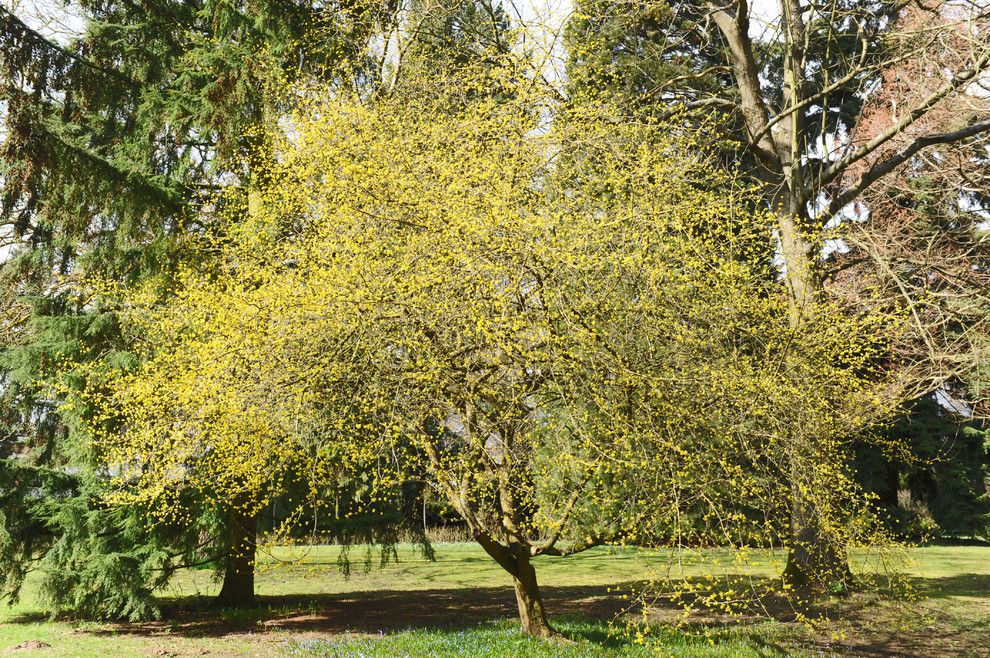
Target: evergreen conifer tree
[114,150]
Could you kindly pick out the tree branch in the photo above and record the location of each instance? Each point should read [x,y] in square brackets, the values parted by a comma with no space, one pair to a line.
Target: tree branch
[884,167]
[744,68]
[835,170]
[555,537]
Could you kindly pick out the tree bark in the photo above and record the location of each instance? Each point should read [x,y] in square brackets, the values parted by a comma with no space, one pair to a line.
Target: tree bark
[516,557]
[781,154]
[816,564]
[517,561]
[238,578]
[532,616]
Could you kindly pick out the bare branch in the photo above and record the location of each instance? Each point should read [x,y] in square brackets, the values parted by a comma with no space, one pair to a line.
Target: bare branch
[884,167]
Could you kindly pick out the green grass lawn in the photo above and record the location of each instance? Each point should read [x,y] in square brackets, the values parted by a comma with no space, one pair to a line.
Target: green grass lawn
[462,605]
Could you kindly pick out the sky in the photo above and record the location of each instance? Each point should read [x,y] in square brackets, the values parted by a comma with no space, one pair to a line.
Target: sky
[51,18]
[555,12]
[55,19]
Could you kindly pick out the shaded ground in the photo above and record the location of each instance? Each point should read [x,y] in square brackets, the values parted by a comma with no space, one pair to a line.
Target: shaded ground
[948,616]
[374,612]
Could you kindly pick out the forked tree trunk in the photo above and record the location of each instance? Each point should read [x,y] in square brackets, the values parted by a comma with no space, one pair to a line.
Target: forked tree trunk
[781,152]
[532,616]
[517,561]
[238,577]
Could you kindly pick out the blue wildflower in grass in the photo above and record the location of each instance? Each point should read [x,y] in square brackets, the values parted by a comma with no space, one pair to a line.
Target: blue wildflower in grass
[486,640]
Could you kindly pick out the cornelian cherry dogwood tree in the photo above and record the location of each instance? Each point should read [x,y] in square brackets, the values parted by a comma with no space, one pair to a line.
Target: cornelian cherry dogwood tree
[565,317]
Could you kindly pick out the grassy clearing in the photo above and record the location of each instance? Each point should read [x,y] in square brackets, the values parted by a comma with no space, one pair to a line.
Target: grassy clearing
[462,604]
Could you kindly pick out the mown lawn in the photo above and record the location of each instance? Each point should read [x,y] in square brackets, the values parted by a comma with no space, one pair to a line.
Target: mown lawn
[462,605]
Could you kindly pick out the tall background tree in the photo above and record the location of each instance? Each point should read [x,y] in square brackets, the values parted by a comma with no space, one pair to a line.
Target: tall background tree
[797,81]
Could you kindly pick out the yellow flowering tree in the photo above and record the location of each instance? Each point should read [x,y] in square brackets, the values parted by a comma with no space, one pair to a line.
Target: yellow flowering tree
[567,318]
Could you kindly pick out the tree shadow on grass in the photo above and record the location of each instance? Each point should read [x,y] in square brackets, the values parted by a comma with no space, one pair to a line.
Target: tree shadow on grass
[374,612]
[964,584]
[585,609]
[386,611]
[582,613]
[911,623]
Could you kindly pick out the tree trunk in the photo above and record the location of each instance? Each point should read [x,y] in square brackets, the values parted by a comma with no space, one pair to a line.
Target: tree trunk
[517,561]
[888,497]
[816,564]
[238,577]
[532,617]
